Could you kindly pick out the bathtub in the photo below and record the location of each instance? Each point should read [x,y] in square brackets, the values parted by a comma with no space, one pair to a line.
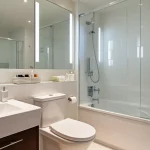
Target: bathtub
[118,107]
[119,125]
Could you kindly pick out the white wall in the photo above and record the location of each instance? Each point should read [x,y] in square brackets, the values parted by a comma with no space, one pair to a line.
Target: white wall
[26,93]
[145,65]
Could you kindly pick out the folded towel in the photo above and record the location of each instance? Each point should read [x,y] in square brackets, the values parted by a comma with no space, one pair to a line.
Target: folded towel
[55,79]
[58,78]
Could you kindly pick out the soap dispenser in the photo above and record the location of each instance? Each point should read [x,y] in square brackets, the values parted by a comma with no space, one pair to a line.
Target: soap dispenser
[4,95]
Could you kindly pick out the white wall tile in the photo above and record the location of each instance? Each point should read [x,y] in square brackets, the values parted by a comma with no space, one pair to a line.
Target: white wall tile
[26,92]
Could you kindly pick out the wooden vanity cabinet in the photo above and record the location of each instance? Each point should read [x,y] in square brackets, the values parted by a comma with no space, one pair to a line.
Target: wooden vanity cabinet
[25,140]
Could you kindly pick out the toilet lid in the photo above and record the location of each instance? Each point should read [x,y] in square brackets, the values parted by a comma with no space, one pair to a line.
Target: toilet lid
[73,130]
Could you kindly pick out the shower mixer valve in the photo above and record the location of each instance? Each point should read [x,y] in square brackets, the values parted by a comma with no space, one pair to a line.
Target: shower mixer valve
[90,91]
[96,90]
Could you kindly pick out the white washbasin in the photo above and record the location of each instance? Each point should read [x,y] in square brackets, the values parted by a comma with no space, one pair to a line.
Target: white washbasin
[7,109]
[16,116]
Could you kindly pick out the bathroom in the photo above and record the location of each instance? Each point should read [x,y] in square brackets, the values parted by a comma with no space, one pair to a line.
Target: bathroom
[74,75]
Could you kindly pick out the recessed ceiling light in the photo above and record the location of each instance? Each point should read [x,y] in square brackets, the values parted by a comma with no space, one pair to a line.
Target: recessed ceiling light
[29,21]
[25,1]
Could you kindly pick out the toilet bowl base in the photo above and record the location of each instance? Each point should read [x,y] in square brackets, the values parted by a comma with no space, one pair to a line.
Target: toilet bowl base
[49,144]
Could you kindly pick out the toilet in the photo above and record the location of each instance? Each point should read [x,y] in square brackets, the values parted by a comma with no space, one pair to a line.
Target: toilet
[58,133]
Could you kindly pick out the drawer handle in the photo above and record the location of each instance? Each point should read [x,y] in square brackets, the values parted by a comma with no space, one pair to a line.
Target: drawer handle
[11,144]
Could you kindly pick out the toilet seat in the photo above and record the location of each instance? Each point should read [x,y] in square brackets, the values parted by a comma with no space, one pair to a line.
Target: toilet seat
[73,130]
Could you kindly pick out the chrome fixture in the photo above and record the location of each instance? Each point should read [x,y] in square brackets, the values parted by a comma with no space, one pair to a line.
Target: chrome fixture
[96,90]
[90,91]
[89,72]
[92,32]
[96,99]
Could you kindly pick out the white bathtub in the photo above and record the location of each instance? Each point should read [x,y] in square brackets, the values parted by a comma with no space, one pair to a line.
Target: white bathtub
[118,125]
[118,107]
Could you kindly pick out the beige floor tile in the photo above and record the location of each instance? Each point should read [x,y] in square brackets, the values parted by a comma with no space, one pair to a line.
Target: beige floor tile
[96,146]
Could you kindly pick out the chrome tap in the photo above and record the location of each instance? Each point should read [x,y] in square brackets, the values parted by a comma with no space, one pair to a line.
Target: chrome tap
[96,99]
[97,90]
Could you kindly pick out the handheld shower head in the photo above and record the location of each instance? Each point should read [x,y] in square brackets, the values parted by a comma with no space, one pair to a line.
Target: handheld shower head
[92,21]
[89,22]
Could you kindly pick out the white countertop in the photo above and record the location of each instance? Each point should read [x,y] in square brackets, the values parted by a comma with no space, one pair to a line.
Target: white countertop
[24,117]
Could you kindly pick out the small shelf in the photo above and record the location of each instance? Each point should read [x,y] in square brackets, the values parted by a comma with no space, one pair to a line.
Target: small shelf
[43,82]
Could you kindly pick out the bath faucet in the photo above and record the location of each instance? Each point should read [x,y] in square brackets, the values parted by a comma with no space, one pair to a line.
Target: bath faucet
[96,99]
[96,90]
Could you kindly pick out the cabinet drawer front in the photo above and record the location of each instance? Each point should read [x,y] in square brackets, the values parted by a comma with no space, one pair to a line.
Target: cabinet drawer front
[26,140]
[11,144]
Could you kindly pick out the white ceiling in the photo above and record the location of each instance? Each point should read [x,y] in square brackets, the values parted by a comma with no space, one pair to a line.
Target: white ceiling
[93,4]
[15,14]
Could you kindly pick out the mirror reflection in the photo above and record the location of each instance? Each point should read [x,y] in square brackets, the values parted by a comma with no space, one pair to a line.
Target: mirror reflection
[17,34]
[55,36]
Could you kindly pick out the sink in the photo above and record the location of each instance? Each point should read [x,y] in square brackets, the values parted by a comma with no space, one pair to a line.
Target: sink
[17,116]
[7,109]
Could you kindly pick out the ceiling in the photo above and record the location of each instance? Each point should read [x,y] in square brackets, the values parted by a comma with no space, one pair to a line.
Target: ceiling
[15,14]
[94,4]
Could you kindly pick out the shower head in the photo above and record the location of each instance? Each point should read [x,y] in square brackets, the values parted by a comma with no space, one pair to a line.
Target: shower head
[92,21]
[89,22]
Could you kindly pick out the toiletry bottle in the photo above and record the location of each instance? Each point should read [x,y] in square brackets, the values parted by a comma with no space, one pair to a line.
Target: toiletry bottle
[4,95]
[71,76]
[67,79]
[32,72]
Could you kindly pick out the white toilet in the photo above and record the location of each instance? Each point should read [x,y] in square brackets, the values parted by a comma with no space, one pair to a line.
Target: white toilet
[59,133]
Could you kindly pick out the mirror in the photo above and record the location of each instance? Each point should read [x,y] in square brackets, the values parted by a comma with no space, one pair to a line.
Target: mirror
[16,34]
[53,27]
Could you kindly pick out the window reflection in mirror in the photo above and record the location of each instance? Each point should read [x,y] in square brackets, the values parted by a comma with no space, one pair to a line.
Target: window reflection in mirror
[16,34]
[54,46]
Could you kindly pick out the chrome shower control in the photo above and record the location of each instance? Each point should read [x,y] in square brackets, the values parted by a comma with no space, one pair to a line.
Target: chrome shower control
[90,91]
